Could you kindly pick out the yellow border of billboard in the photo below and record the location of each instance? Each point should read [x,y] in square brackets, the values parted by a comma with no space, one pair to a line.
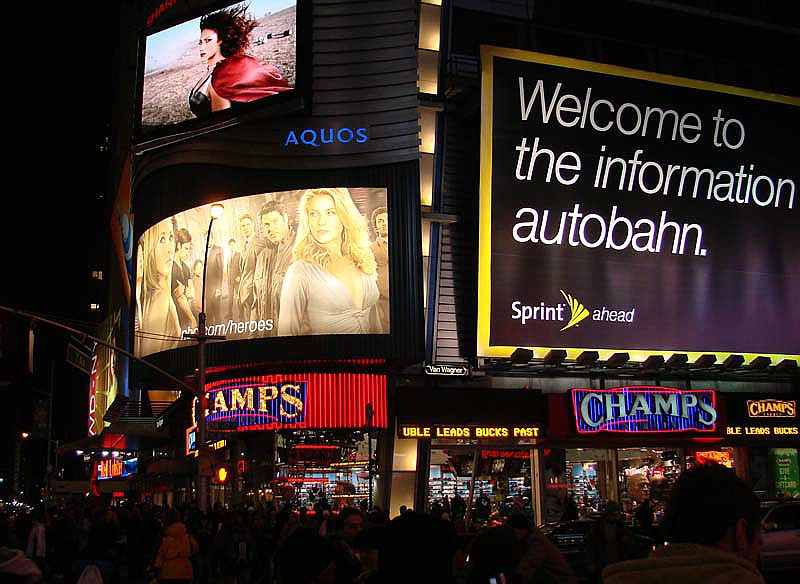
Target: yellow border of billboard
[485,229]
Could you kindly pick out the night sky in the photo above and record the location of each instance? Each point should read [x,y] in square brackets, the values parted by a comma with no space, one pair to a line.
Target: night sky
[53,229]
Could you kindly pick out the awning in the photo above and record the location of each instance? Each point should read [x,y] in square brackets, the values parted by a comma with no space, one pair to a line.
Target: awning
[125,434]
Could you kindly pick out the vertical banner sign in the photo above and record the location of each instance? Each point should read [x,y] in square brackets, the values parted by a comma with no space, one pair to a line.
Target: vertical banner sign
[93,430]
[786,477]
[627,210]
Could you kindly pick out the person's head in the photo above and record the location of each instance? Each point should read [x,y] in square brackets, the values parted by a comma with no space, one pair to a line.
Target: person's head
[493,551]
[710,505]
[349,523]
[246,225]
[613,512]
[274,221]
[330,223]
[198,268]
[232,244]
[225,33]
[306,558]
[158,246]
[520,525]
[183,244]
[380,219]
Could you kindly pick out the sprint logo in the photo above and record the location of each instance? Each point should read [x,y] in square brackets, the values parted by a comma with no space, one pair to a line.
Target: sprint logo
[577,310]
[570,313]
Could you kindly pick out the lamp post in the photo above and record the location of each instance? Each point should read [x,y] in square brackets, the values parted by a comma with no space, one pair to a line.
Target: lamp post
[216,211]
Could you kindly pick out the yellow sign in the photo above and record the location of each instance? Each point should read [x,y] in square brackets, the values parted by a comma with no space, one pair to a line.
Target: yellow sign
[462,431]
[771,408]
[762,431]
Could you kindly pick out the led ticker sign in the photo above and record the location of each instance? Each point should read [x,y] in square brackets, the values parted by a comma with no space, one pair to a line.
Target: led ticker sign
[301,400]
[644,409]
[421,432]
[752,416]
[113,468]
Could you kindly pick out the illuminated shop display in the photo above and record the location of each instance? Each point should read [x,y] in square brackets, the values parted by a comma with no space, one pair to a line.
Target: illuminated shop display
[644,409]
[297,401]
[112,468]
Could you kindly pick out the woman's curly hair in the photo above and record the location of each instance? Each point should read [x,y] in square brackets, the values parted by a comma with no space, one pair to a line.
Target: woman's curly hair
[233,27]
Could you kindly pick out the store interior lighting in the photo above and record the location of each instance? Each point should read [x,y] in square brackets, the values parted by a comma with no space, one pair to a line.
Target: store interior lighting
[617,360]
[732,362]
[705,361]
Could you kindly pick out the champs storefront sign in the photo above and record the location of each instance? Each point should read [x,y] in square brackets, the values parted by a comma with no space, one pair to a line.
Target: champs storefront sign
[650,409]
[296,401]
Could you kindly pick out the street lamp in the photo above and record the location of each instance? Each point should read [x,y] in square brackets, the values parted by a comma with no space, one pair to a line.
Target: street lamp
[216,211]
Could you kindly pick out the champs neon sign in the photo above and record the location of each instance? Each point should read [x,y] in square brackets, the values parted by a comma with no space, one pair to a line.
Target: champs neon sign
[644,409]
[282,403]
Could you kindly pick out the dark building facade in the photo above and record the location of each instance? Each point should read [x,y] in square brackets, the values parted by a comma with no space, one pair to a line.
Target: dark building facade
[405,106]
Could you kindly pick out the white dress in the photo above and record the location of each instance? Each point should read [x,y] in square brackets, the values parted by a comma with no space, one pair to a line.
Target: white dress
[315,302]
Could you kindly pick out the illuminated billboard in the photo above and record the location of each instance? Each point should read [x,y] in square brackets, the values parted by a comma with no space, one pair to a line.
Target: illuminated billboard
[626,210]
[644,409]
[279,264]
[296,401]
[225,59]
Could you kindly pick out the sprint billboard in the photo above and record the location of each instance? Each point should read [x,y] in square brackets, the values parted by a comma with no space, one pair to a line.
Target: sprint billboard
[627,210]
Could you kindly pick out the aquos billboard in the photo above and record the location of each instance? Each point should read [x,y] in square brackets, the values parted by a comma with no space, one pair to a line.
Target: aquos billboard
[626,210]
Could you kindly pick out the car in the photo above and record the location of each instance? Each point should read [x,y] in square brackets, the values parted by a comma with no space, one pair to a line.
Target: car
[779,560]
[572,540]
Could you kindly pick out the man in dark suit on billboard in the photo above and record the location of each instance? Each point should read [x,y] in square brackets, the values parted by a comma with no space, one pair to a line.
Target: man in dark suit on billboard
[274,260]
[252,246]
[234,278]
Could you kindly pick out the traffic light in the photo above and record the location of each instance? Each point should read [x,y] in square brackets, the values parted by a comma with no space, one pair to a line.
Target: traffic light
[222,474]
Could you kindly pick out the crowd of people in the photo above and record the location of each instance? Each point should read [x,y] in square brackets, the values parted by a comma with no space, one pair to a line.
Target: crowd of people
[711,525]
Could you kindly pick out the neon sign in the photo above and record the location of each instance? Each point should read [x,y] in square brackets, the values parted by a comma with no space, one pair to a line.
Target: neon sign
[300,400]
[112,468]
[644,409]
[282,403]
[771,408]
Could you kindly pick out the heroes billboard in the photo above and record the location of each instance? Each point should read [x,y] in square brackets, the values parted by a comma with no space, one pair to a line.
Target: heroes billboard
[288,263]
[627,210]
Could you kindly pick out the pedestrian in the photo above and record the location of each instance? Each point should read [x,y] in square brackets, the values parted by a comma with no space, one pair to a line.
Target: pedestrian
[645,515]
[609,541]
[540,560]
[713,531]
[174,557]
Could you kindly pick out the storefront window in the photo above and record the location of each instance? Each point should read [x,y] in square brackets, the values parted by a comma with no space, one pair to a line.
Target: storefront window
[502,482]
[647,473]
[320,467]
